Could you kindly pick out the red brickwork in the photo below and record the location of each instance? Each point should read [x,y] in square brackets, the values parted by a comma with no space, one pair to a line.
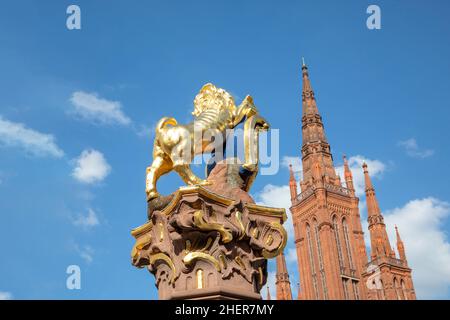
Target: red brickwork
[329,240]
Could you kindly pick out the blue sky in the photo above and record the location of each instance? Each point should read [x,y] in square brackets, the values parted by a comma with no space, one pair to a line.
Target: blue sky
[384,96]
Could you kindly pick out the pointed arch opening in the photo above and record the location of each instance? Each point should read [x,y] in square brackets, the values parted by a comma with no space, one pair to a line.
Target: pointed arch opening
[347,243]
[336,230]
[397,294]
[405,292]
[311,261]
[337,237]
[320,256]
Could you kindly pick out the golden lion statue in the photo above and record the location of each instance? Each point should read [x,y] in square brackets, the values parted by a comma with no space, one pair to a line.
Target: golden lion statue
[214,113]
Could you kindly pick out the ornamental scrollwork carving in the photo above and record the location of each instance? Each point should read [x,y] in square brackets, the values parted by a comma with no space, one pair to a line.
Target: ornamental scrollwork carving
[228,239]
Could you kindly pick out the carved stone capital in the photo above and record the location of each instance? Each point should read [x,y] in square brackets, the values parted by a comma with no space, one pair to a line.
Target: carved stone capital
[204,245]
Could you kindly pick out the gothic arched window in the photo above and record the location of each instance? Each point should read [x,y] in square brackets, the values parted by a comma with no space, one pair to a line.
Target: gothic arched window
[340,255]
[311,261]
[338,241]
[355,289]
[405,292]
[347,243]
[321,266]
[396,289]
[345,287]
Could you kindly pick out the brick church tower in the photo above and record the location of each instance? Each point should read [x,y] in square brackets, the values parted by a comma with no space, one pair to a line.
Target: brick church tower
[329,240]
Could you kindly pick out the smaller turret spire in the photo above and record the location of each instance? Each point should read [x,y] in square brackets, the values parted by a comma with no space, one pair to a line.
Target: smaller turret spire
[282,279]
[368,181]
[400,246]
[380,245]
[397,234]
[268,293]
[348,175]
[292,183]
[372,202]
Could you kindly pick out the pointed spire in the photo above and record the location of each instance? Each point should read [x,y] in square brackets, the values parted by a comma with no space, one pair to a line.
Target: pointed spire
[268,293]
[291,172]
[309,102]
[392,252]
[380,245]
[292,183]
[400,246]
[348,175]
[368,182]
[397,234]
[372,202]
[282,279]
[315,147]
[282,273]
[346,167]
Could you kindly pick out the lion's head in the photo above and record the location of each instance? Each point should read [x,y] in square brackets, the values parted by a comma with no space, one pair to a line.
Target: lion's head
[212,97]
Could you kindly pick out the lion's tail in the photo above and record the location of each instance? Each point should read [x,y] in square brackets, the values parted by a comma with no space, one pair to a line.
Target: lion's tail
[165,121]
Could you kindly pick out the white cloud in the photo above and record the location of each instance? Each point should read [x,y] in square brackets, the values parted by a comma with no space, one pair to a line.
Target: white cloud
[37,143]
[277,197]
[86,253]
[375,167]
[87,221]
[144,131]
[89,106]
[291,255]
[91,166]
[412,149]
[421,224]
[5,295]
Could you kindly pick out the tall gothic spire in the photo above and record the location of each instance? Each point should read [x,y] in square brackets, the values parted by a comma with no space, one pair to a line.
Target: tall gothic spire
[268,293]
[400,246]
[282,279]
[308,99]
[380,245]
[315,146]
